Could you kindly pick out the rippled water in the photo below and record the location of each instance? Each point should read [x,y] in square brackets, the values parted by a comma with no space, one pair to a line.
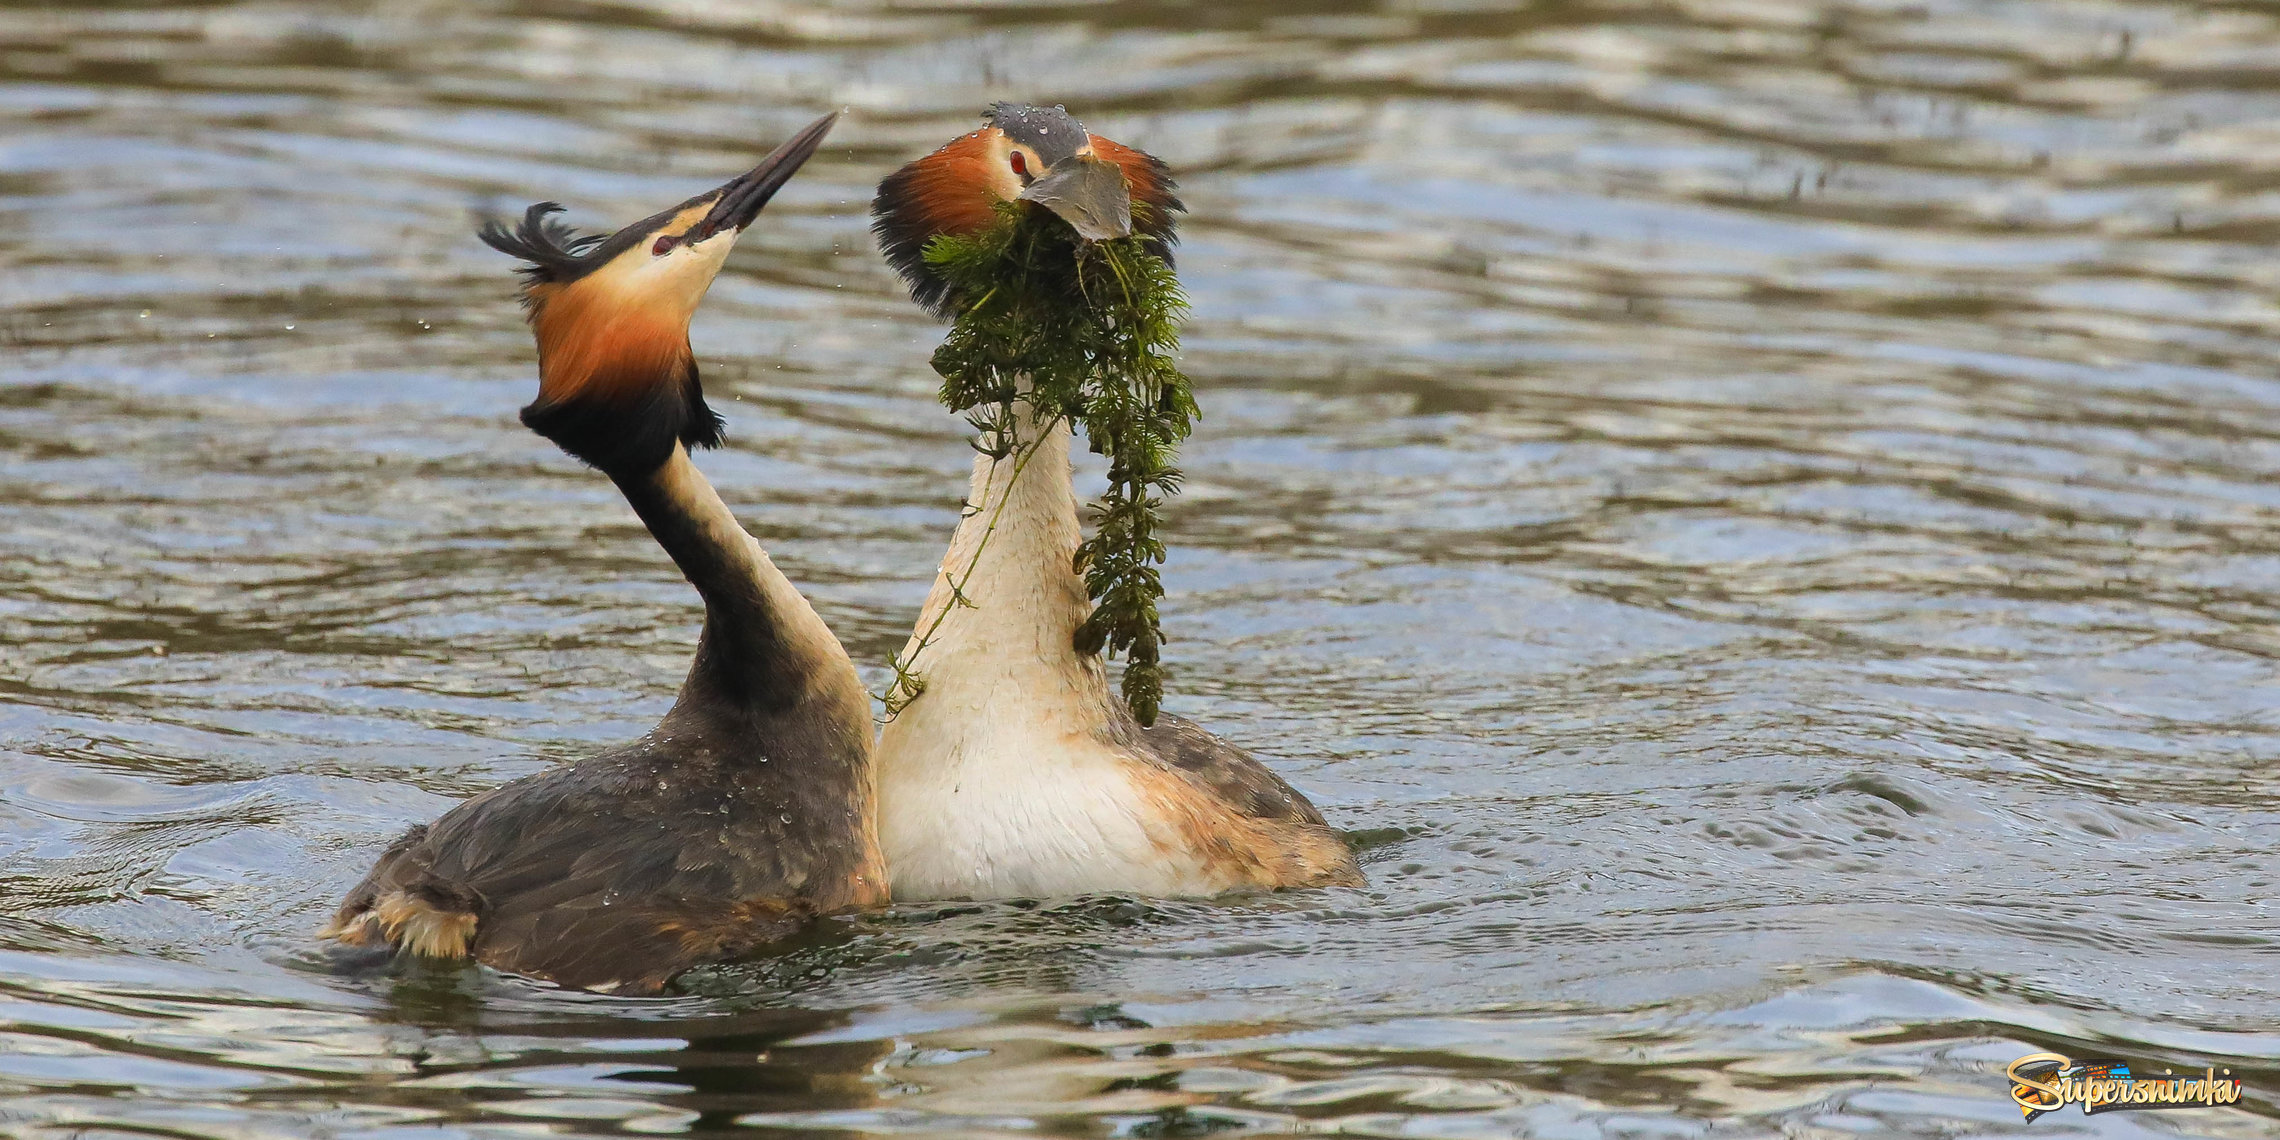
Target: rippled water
[1764,517]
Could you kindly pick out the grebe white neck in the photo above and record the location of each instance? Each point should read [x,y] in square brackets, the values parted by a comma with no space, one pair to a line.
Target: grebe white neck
[1003,777]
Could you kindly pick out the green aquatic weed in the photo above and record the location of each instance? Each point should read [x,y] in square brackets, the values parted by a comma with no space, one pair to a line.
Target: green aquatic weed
[1092,326]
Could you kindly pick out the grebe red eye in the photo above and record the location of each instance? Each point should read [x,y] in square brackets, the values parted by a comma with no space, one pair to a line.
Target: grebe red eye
[664,245]
[1019,167]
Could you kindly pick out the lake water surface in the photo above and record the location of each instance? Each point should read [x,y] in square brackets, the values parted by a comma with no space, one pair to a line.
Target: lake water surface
[1762,517]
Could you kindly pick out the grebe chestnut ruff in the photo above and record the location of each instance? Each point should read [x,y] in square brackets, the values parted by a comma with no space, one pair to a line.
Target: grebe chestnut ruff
[1015,771]
[749,808]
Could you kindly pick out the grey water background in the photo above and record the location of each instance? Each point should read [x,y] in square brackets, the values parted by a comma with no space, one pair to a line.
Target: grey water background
[1760,515]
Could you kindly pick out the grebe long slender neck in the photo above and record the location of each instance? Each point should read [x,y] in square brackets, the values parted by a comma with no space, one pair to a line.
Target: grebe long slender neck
[1016,771]
[751,806]
[1002,617]
[765,655]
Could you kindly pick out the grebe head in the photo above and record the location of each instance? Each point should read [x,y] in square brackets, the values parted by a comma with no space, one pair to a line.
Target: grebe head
[1102,189]
[617,381]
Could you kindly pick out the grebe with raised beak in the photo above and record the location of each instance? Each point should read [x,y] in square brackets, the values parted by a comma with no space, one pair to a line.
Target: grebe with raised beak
[750,808]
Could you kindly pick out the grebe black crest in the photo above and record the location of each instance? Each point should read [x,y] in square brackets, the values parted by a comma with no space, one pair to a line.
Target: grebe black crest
[750,808]
[1014,770]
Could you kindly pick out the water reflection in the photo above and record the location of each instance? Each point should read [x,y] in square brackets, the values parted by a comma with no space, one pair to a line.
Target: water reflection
[1763,512]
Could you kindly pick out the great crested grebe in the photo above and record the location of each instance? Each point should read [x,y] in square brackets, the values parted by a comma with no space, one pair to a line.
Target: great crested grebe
[750,807]
[1016,771]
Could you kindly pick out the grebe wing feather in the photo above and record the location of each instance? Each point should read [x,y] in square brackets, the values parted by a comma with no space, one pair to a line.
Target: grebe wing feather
[593,876]
[1232,775]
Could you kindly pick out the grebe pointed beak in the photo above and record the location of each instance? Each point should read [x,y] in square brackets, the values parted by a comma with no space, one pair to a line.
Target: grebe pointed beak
[1088,193]
[741,200]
